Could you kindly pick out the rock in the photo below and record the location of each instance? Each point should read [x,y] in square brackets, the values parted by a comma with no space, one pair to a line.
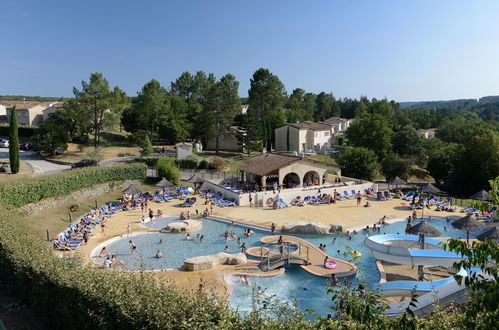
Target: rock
[305,228]
[208,262]
[185,226]
[336,229]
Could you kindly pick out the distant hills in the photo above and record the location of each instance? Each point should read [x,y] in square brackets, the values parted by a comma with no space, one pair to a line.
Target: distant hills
[450,104]
[29,98]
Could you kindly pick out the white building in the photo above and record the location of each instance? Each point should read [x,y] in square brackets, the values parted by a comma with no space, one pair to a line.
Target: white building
[338,124]
[303,137]
[52,108]
[244,108]
[184,150]
[427,133]
[29,113]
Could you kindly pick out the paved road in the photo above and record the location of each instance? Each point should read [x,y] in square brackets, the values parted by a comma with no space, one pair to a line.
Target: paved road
[37,164]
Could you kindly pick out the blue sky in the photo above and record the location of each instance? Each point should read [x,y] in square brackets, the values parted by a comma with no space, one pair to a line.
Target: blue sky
[402,50]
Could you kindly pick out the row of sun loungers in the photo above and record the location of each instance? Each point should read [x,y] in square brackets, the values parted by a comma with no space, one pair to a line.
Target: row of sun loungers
[74,235]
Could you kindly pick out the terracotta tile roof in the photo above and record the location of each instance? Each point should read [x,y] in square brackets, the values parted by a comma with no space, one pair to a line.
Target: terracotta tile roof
[20,105]
[336,120]
[268,163]
[26,105]
[264,164]
[312,126]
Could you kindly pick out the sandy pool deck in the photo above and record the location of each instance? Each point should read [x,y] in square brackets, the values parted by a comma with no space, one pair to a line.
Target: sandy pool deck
[344,213]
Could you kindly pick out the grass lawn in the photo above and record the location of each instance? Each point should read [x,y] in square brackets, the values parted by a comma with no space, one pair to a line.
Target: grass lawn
[24,170]
[76,152]
[56,219]
[323,158]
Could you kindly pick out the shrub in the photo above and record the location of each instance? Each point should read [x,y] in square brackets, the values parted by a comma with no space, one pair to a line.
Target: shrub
[204,165]
[32,190]
[24,131]
[167,169]
[219,163]
[146,149]
[95,155]
[359,163]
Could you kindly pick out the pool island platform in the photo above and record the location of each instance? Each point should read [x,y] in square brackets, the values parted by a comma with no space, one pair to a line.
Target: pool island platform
[307,255]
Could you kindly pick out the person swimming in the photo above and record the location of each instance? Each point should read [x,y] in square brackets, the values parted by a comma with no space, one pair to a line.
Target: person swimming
[158,254]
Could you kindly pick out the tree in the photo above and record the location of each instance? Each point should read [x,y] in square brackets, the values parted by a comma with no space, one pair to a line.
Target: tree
[167,169]
[146,149]
[359,163]
[14,142]
[98,99]
[394,165]
[324,106]
[441,159]
[75,119]
[49,137]
[475,164]
[460,130]
[372,132]
[149,110]
[194,90]
[228,106]
[407,143]
[494,190]
[266,99]
[174,124]
[484,306]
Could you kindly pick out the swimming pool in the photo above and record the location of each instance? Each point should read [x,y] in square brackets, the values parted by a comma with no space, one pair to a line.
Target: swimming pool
[294,284]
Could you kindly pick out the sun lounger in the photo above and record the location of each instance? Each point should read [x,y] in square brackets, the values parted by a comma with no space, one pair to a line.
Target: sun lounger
[409,196]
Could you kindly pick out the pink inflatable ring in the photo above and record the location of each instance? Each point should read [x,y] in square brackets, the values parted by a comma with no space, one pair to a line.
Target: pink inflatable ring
[330,264]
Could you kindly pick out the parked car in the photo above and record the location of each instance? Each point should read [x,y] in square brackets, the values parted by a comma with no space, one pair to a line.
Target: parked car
[84,163]
[4,143]
[25,146]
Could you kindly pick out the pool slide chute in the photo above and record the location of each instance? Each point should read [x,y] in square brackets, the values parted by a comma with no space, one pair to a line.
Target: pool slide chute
[403,249]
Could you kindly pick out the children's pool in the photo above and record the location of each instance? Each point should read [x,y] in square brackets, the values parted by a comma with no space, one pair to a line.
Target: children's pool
[294,284]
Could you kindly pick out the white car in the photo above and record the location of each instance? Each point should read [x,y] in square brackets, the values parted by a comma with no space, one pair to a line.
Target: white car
[4,143]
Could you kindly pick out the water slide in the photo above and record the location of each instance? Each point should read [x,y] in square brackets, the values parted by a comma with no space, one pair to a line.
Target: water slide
[404,249]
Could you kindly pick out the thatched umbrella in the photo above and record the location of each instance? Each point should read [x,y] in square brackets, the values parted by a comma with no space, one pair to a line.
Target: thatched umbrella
[164,183]
[424,228]
[482,195]
[468,223]
[132,190]
[396,181]
[429,188]
[492,234]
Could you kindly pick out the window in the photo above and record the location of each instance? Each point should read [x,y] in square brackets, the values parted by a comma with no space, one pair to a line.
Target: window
[326,133]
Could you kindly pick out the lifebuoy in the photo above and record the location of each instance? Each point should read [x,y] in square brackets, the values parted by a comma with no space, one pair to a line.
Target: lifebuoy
[270,200]
[330,264]
[356,254]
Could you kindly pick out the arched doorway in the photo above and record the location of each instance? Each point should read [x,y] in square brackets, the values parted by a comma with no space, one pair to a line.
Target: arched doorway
[291,180]
[311,178]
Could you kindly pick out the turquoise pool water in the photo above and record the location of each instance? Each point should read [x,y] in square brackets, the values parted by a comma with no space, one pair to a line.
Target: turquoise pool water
[295,284]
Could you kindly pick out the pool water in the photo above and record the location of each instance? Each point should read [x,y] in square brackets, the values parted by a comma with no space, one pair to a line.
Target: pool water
[294,284]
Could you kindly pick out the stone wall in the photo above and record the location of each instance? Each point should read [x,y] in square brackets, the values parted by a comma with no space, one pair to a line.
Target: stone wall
[74,197]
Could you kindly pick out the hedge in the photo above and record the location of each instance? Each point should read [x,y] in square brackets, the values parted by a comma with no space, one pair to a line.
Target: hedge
[31,190]
[24,131]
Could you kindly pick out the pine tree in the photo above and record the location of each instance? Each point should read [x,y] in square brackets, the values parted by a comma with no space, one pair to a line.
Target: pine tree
[14,142]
